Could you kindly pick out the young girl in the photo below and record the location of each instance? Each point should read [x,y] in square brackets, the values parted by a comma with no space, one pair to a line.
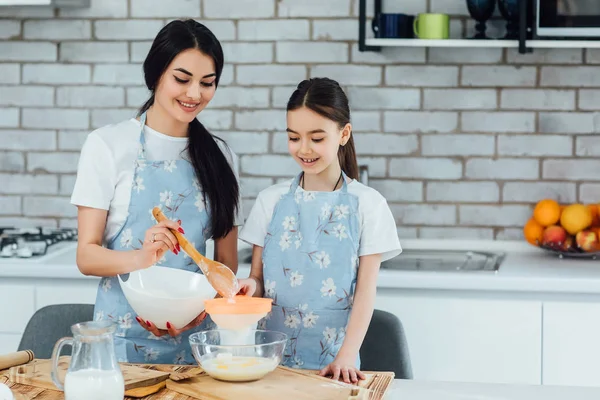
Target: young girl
[164,157]
[319,239]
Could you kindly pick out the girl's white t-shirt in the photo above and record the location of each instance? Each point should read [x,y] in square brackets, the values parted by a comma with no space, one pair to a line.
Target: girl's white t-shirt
[378,233]
[106,166]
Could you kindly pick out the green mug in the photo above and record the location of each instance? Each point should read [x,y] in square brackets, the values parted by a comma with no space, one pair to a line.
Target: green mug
[432,26]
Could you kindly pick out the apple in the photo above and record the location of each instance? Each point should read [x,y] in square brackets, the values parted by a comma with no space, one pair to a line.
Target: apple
[587,240]
[569,244]
[554,236]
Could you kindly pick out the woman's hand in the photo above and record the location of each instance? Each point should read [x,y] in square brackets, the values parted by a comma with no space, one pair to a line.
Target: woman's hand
[343,367]
[158,240]
[247,286]
[171,330]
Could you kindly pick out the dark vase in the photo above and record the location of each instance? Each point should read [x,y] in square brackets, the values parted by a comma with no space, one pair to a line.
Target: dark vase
[481,11]
[510,12]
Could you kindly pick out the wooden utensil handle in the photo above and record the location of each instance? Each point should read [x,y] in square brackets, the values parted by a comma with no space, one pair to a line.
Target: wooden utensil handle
[17,358]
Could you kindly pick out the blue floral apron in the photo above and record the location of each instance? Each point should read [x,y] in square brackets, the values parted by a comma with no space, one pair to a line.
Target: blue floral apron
[310,262]
[171,185]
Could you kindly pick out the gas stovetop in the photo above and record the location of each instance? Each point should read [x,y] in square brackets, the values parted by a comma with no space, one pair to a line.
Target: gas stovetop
[33,243]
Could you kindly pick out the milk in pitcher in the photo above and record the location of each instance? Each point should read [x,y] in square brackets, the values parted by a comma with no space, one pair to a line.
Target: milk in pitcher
[94,384]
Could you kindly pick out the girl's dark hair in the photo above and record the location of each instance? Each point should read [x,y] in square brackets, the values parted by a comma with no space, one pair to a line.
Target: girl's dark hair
[325,97]
[217,179]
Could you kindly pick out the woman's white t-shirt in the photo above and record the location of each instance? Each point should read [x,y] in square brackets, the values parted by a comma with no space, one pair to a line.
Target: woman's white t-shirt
[378,233]
[106,166]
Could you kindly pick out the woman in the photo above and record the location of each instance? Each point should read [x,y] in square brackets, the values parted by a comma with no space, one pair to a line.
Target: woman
[165,158]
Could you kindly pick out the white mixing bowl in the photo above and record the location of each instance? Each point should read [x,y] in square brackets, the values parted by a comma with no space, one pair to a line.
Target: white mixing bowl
[161,294]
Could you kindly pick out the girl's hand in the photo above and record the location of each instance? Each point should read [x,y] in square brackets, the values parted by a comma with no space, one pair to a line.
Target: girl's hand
[157,240]
[344,368]
[247,286]
[171,330]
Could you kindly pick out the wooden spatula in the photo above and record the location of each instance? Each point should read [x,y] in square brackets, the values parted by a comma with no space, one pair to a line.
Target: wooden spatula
[221,278]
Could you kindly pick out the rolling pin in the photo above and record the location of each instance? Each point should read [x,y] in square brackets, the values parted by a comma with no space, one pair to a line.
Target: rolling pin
[14,359]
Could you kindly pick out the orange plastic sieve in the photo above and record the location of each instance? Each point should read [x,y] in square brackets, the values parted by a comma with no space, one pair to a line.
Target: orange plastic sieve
[238,305]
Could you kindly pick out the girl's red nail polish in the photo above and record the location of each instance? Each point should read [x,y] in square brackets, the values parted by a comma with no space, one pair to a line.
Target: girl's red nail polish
[148,323]
[179,221]
[180,229]
[178,247]
[168,325]
[138,319]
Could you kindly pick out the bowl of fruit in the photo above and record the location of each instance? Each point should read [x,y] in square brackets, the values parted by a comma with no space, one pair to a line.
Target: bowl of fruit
[566,230]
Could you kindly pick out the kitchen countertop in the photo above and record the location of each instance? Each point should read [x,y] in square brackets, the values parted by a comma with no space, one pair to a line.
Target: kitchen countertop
[524,269]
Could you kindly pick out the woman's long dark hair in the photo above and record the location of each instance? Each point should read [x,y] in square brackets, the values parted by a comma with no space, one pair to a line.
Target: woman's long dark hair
[216,177]
[325,97]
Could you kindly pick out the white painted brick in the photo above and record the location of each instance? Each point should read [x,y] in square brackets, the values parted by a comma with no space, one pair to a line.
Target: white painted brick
[592,56]
[105,116]
[313,8]
[537,99]
[454,233]
[56,29]
[246,142]
[28,223]
[96,52]
[243,97]
[248,53]
[251,187]
[243,9]
[280,96]
[588,146]
[57,162]
[366,121]
[119,74]
[457,145]
[226,77]
[498,75]
[570,76]
[127,29]
[459,99]
[139,51]
[407,232]
[79,96]
[9,29]
[377,165]
[67,183]
[527,192]
[222,29]
[273,120]
[216,119]
[28,51]
[21,12]
[589,192]
[467,192]
[400,191]
[27,140]
[267,29]
[29,184]
[335,29]
[535,145]
[456,29]
[425,168]
[270,74]
[386,143]
[269,165]
[545,56]
[56,73]
[28,96]
[407,7]
[560,122]
[48,206]
[10,205]
[308,52]
[72,140]
[56,118]
[384,98]
[279,143]
[98,9]
[421,76]
[390,55]
[163,9]
[10,73]
[12,161]
[420,121]
[67,223]
[464,55]
[589,99]
[9,117]
[506,168]
[136,96]
[424,214]
[475,121]
[352,75]
[449,7]
[504,215]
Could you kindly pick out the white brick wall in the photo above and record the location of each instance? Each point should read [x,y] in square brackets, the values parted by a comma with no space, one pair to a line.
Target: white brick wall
[461,141]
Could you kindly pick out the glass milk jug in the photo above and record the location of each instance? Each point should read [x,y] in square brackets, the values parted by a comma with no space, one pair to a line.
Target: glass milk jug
[93,373]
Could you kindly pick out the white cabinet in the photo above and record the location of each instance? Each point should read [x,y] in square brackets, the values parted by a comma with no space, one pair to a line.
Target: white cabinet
[469,339]
[571,350]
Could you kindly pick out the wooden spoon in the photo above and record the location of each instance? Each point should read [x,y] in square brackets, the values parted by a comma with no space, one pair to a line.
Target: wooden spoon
[221,278]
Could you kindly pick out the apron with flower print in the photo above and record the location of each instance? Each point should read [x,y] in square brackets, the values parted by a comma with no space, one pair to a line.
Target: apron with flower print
[310,263]
[171,185]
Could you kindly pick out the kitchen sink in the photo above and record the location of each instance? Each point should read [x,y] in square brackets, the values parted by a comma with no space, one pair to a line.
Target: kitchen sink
[444,260]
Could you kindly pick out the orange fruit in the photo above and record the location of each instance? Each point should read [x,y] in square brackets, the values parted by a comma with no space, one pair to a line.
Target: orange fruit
[533,232]
[575,218]
[546,212]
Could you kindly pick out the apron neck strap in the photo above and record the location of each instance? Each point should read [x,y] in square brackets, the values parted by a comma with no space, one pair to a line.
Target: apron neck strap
[296,183]
[142,152]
